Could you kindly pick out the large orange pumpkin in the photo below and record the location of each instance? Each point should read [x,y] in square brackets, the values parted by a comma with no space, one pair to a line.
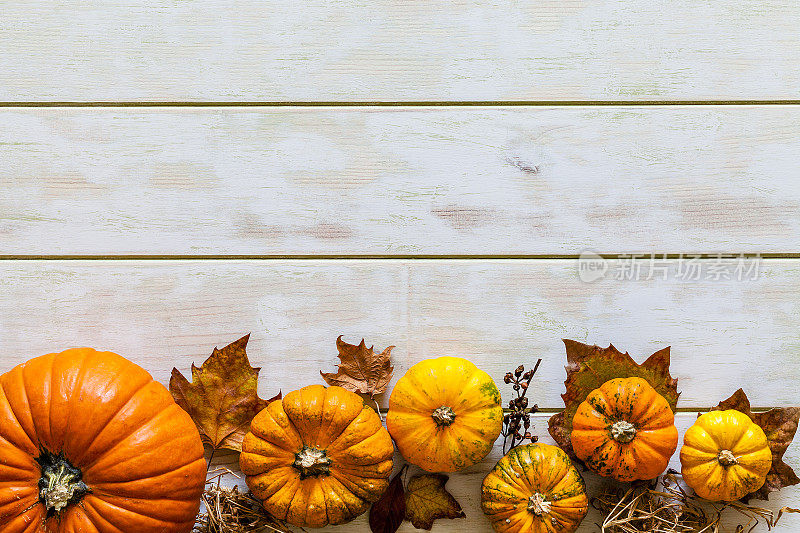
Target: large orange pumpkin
[318,457]
[625,429]
[90,443]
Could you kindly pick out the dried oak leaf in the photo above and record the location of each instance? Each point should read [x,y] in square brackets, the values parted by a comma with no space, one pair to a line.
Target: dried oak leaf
[588,367]
[222,398]
[386,514]
[361,369]
[780,426]
[427,500]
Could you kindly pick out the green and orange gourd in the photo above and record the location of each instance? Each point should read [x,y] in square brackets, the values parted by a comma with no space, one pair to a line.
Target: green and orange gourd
[625,430]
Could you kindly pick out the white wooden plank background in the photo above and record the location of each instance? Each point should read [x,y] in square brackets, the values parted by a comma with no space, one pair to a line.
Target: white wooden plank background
[498,313]
[555,180]
[336,50]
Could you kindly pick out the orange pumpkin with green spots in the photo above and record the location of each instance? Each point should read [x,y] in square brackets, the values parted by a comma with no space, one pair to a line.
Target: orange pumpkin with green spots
[320,456]
[725,456]
[445,414]
[534,489]
[625,430]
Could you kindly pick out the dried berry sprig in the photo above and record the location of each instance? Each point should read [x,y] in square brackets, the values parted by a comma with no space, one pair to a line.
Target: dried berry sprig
[517,423]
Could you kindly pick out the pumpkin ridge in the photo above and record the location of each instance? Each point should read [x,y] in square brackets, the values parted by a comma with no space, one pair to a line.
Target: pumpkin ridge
[79,377]
[113,448]
[111,415]
[176,441]
[14,445]
[479,381]
[179,504]
[740,441]
[330,408]
[121,440]
[36,444]
[329,481]
[417,392]
[558,494]
[601,404]
[108,486]
[335,447]
[289,432]
[512,480]
[157,522]
[645,443]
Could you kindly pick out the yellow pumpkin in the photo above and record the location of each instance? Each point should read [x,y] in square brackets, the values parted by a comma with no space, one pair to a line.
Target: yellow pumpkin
[625,430]
[445,414]
[725,456]
[318,457]
[534,489]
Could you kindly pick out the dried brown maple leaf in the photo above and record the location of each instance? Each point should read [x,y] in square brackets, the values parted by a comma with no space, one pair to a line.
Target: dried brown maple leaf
[427,500]
[361,369]
[386,514]
[588,367]
[780,426]
[222,398]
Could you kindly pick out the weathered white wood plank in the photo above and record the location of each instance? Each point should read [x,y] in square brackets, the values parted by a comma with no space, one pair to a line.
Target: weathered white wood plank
[465,486]
[724,333]
[392,50]
[399,181]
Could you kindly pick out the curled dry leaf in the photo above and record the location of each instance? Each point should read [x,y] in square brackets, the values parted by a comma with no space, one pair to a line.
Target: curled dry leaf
[780,426]
[588,367]
[386,514]
[427,500]
[361,369]
[222,398]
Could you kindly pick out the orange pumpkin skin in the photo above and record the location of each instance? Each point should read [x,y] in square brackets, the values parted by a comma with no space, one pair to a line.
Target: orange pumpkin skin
[320,456]
[94,425]
[534,489]
[625,430]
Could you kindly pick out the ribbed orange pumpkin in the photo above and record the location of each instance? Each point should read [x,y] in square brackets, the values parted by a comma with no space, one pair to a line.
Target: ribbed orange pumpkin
[625,430]
[90,443]
[725,456]
[318,457]
[534,489]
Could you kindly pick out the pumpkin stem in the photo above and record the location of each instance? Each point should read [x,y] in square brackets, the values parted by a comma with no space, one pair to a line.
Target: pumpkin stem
[538,505]
[726,458]
[61,483]
[623,431]
[312,462]
[443,416]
